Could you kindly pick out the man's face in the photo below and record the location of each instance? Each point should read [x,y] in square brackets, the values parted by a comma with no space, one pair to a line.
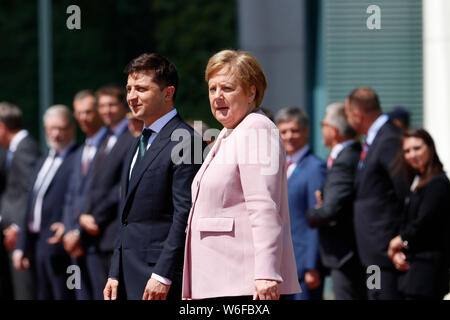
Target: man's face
[145,97]
[111,110]
[87,115]
[294,136]
[58,132]
[328,132]
[3,139]
[354,117]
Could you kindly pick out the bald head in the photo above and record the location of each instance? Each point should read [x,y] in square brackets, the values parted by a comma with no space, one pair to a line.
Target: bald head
[365,100]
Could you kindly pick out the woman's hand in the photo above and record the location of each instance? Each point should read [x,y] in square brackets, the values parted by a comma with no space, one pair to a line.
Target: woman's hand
[266,290]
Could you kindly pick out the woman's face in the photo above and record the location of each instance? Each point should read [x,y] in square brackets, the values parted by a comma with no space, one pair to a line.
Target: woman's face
[229,101]
[416,153]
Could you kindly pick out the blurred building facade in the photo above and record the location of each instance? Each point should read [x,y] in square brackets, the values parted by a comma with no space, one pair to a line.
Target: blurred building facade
[317,52]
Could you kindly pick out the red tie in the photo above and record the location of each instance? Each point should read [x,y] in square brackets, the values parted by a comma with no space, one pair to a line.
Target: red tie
[330,161]
[363,152]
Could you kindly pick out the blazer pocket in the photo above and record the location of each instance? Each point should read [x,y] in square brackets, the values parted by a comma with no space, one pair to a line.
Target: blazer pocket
[215,224]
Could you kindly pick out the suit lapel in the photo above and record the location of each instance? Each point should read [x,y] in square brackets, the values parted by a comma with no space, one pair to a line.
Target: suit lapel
[160,142]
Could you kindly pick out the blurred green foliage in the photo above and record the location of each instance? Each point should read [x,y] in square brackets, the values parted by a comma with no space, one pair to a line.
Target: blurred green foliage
[112,33]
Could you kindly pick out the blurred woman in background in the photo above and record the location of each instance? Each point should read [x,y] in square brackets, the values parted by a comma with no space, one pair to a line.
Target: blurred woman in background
[422,248]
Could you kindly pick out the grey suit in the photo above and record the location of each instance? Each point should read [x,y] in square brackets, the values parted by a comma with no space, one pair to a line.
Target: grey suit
[18,181]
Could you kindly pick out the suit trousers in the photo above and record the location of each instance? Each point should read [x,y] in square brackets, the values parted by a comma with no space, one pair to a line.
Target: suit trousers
[6,290]
[349,281]
[24,284]
[97,266]
[388,286]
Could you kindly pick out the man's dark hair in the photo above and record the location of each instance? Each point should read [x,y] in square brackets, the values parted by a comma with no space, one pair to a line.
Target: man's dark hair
[365,99]
[165,72]
[11,116]
[112,90]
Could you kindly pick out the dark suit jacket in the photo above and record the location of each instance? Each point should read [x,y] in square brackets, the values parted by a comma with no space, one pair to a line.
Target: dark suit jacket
[335,217]
[426,227]
[19,178]
[102,199]
[52,208]
[77,192]
[307,177]
[380,190]
[154,208]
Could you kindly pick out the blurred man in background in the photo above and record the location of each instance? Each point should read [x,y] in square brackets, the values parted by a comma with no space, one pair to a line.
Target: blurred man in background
[87,116]
[380,188]
[306,174]
[41,230]
[333,216]
[21,158]
[99,219]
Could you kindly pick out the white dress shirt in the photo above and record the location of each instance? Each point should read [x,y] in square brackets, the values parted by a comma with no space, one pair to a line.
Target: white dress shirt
[295,158]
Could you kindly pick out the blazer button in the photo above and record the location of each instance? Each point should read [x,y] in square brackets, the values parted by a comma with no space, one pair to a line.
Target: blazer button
[125,223]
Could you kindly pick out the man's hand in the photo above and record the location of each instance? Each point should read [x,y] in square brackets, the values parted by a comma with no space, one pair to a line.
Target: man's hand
[399,260]
[71,241]
[318,195]
[58,229]
[155,290]
[11,233]
[87,222]
[266,290]
[312,279]
[19,261]
[110,291]
[395,245]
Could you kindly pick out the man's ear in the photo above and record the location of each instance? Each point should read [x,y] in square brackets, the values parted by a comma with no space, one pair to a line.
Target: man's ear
[170,91]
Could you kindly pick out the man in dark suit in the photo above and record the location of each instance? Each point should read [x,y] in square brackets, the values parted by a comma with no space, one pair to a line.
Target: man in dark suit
[99,219]
[88,118]
[333,216]
[40,232]
[155,189]
[23,152]
[380,190]
[306,173]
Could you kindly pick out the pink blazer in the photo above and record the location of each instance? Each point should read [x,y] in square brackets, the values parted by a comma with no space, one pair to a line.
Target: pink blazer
[238,228]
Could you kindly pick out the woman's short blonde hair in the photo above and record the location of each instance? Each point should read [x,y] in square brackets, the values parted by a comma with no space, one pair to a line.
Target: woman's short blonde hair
[243,66]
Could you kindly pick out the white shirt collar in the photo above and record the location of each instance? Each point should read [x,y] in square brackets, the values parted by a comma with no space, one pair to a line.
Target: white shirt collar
[22,134]
[375,127]
[299,154]
[161,122]
[339,147]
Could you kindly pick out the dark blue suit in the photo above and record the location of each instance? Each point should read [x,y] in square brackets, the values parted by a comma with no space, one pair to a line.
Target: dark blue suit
[154,208]
[74,204]
[51,261]
[308,176]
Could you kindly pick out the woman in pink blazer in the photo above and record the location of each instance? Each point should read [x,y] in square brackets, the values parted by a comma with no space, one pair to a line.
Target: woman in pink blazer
[238,239]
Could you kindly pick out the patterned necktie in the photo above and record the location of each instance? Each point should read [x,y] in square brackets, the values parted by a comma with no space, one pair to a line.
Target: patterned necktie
[330,162]
[143,141]
[363,154]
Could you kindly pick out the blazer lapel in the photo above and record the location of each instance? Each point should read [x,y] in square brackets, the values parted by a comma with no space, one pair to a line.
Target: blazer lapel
[161,140]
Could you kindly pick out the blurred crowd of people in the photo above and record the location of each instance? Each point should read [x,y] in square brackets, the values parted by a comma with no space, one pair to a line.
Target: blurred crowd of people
[138,225]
